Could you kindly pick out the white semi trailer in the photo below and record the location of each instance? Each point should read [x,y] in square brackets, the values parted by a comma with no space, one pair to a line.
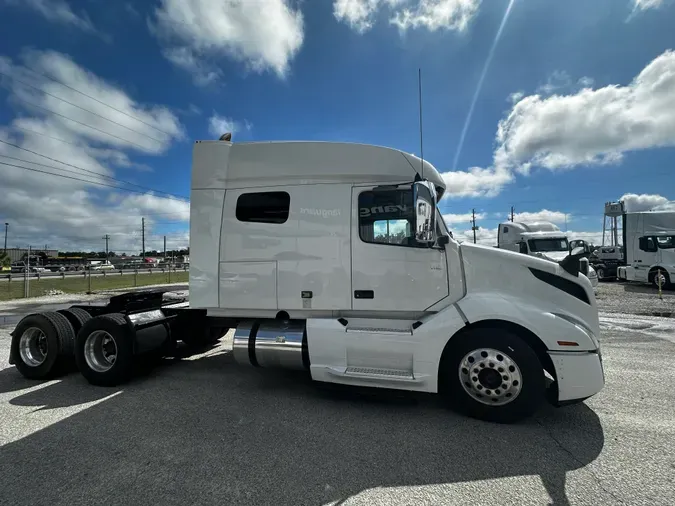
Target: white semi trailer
[333,258]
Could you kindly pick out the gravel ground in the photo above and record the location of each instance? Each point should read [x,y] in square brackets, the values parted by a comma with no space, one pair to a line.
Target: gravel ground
[203,430]
[629,298]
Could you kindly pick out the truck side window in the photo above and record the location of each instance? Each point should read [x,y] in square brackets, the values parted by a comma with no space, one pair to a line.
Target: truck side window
[647,244]
[386,217]
[263,207]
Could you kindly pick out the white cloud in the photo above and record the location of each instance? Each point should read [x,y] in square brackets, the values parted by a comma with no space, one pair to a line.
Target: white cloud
[594,238]
[643,5]
[646,202]
[57,11]
[585,82]
[265,34]
[149,129]
[543,215]
[484,236]
[73,214]
[454,219]
[202,73]
[557,80]
[516,96]
[433,15]
[591,127]
[476,182]
[218,125]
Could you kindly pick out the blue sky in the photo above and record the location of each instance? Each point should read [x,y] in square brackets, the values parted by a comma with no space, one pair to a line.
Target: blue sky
[577,106]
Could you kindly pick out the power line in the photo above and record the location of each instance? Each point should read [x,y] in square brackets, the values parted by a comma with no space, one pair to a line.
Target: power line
[48,136]
[99,101]
[177,197]
[83,180]
[144,148]
[79,107]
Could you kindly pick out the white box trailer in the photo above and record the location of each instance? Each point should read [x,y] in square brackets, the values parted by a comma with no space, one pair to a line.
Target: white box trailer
[649,242]
[333,258]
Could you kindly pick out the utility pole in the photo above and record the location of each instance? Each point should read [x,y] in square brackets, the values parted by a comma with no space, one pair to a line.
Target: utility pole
[143,238]
[473,224]
[512,209]
[6,228]
[165,249]
[26,274]
[106,238]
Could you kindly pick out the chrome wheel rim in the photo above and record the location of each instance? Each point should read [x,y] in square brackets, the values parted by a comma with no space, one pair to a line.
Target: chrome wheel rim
[100,351]
[33,347]
[490,377]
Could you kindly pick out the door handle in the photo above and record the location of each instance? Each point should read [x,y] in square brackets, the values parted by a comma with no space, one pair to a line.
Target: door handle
[364,294]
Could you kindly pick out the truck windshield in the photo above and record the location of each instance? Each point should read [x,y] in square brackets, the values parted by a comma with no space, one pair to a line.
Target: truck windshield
[667,242]
[552,244]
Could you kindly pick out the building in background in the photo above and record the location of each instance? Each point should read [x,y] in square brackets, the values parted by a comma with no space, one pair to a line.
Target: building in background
[17,254]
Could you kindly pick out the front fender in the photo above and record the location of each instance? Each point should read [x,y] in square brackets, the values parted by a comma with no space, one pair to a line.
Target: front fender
[551,325]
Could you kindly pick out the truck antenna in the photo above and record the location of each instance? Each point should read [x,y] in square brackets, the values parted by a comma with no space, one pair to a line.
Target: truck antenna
[419,87]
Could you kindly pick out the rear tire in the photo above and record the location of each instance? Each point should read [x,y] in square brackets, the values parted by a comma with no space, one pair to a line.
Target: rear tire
[40,342]
[77,318]
[493,375]
[104,350]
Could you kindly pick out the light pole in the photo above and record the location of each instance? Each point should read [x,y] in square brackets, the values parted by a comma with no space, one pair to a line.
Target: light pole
[6,228]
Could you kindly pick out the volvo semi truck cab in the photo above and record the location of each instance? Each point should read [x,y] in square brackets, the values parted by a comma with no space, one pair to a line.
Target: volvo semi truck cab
[649,239]
[333,258]
[541,239]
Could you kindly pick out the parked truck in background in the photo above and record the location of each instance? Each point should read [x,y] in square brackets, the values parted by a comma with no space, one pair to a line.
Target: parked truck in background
[541,239]
[334,259]
[649,241]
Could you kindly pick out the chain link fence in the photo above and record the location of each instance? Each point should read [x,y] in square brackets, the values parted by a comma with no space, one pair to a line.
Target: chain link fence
[19,286]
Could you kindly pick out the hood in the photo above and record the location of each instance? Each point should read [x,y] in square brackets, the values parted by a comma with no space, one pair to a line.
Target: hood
[513,276]
[553,256]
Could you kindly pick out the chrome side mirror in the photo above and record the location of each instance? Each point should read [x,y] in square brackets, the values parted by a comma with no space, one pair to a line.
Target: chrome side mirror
[424,198]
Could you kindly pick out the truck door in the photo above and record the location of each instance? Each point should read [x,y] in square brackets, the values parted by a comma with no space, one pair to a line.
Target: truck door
[390,271]
[645,257]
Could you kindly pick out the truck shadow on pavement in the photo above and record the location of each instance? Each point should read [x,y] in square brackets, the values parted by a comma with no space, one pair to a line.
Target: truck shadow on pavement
[207,431]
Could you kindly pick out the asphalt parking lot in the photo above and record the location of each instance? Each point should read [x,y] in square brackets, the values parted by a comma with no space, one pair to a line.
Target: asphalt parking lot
[203,430]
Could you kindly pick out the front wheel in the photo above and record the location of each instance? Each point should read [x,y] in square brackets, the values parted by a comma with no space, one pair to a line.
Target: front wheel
[492,374]
[600,271]
[660,276]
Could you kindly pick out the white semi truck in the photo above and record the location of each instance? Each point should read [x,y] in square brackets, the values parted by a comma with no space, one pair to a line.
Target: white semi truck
[649,243]
[333,258]
[540,239]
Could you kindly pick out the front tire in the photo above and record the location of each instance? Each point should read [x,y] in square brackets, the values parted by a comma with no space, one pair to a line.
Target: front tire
[104,350]
[492,374]
[600,271]
[665,280]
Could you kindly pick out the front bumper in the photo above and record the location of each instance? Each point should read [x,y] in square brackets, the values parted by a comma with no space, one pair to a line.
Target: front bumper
[579,375]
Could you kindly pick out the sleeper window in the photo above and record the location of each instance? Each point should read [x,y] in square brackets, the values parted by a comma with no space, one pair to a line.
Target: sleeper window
[386,217]
[263,207]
